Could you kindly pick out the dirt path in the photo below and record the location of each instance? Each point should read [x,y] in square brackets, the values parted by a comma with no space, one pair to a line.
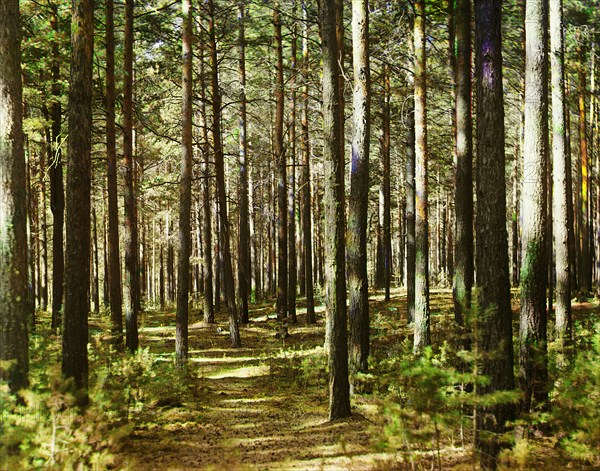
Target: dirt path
[252,410]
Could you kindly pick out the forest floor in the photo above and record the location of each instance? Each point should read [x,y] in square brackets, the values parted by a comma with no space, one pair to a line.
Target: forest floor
[264,406]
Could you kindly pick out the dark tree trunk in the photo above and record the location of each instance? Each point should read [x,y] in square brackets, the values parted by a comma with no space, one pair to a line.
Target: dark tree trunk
[410,215]
[57,192]
[494,331]
[339,389]
[307,239]
[185,191]
[96,273]
[114,257]
[130,285]
[15,309]
[244,269]
[358,282]
[421,186]
[79,169]
[282,259]
[533,369]
[463,192]
[224,232]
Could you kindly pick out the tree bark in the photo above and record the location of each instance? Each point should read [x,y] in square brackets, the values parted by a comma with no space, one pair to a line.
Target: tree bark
[130,287]
[562,226]
[116,295]
[307,238]
[463,190]
[494,331]
[336,328]
[185,191]
[79,169]
[57,192]
[410,215]
[533,372]
[224,233]
[358,282]
[15,308]
[244,268]
[421,339]
[282,259]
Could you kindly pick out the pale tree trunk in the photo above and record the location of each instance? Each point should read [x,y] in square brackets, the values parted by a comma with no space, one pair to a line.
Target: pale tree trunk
[561,224]
[292,262]
[533,370]
[79,170]
[493,336]
[185,191]
[336,328]
[15,309]
[358,282]
[410,215]
[421,321]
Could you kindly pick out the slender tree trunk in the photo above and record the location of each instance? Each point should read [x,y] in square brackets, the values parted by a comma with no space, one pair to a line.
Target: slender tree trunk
[79,169]
[561,224]
[116,295]
[15,308]
[463,190]
[493,337]
[221,191]
[291,203]
[358,282]
[515,216]
[96,274]
[130,286]
[421,187]
[282,259]
[385,193]
[244,268]
[57,192]
[410,215]
[307,238]
[44,227]
[185,190]
[339,390]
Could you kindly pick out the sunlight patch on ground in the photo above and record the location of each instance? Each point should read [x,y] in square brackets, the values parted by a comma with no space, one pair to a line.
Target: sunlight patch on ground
[253,400]
[157,329]
[244,372]
[211,360]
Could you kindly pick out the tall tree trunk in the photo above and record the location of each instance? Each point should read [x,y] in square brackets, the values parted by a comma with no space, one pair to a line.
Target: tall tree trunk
[116,295]
[292,262]
[410,214]
[57,192]
[516,201]
[421,187]
[282,259]
[15,308]
[185,190]
[533,369]
[561,224]
[79,170]
[96,273]
[585,263]
[130,286]
[307,238]
[384,190]
[244,268]
[224,232]
[44,227]
[359,192]
[339,389]
[463,190]
[494,331]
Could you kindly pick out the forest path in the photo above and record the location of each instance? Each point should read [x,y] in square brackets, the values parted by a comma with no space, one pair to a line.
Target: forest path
[252,408]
